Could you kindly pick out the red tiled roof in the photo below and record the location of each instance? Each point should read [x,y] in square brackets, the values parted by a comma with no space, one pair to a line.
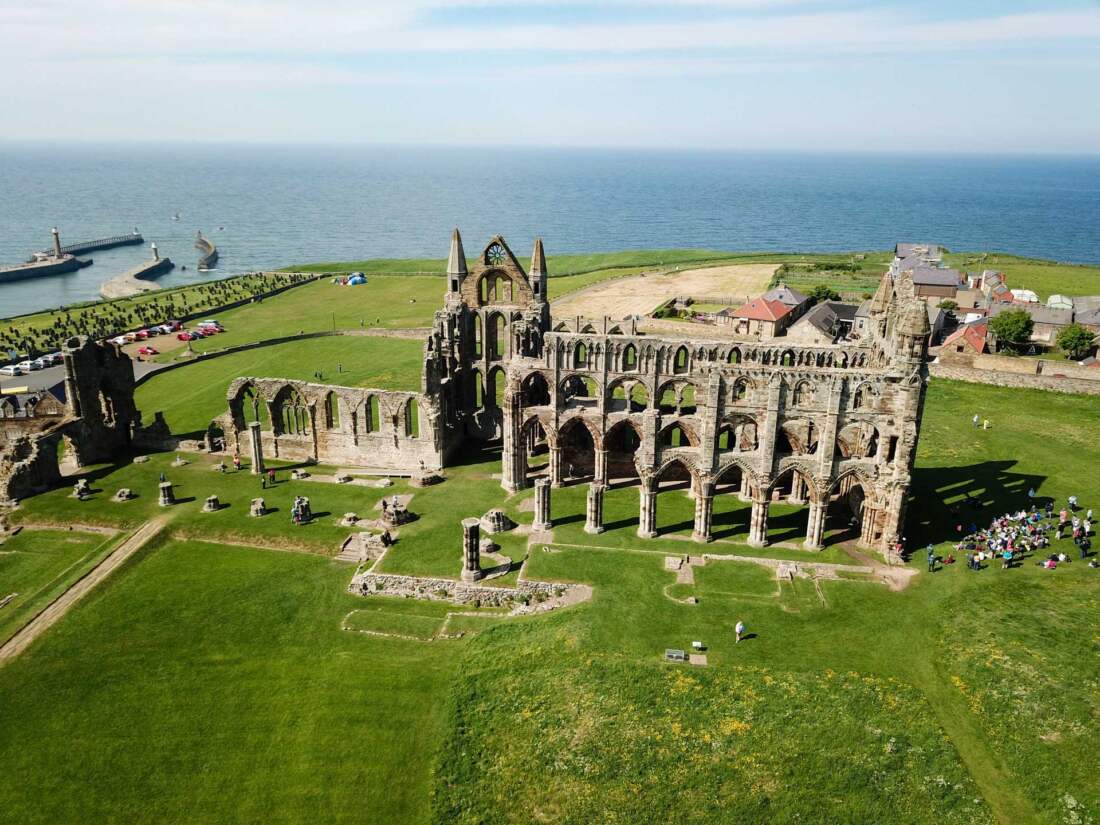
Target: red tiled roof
[761,309]
[973,334]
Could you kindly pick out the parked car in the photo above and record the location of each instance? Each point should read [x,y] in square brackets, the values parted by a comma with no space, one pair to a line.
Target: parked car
[11,369]
[120,339]
[29,366]
[173,326]
[148,351]
[183,336]
[42,363]
[144,333]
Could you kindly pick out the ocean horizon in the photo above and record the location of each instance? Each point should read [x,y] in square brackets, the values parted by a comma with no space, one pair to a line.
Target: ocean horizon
[270,205]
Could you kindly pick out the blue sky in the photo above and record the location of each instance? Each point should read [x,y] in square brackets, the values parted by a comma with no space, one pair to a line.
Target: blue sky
[963,76]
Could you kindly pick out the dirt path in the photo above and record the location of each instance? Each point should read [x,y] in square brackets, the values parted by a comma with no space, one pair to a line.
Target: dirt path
[640,294]
[63,603]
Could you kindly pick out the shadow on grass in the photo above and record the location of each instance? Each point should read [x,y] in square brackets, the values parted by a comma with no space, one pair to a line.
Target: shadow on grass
[943,497]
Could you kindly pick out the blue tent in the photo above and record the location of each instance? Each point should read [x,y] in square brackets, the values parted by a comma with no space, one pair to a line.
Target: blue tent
[356,279]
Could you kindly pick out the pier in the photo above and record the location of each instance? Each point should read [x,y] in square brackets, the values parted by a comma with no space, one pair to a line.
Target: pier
[84,247]
[138,279]
[39,268]
[209,253]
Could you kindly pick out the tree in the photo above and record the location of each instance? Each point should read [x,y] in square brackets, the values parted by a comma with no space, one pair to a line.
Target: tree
[823,292]
[1076,341]
[948,304]
[1012,328]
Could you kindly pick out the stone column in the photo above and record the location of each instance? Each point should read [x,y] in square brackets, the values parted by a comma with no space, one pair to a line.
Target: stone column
[600,474]
[594,510]
[257,448]
[704,507]
[542,505]
[867,526]
[745,494]
[758,523]
[798,488]
[471,549]
[165,496]
[647,511]
[815,525]
[555,466]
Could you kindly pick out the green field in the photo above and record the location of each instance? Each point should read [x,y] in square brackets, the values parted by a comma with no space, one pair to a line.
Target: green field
[192,395]
[967,697]
[39,565]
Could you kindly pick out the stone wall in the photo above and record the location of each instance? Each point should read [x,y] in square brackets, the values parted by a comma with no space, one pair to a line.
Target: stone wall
[958,372]
[450,590]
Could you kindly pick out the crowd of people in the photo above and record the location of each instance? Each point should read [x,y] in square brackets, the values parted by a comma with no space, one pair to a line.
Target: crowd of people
[1025,533]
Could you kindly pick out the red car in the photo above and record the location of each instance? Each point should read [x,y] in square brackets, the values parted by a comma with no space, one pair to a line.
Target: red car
[183,336]
[147,351]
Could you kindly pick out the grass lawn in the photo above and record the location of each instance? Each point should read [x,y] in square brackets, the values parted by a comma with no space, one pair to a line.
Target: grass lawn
[38,566]
[213,684]
[192,395]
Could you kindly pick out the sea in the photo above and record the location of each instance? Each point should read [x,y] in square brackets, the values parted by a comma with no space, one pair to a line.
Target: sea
[274,206]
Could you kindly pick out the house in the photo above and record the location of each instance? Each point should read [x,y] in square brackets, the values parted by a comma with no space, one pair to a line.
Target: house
[1047,322]
[986,280]
[971,299]
[932,282]
[936,320]
[965,342]
[794,300]
[1089,319]
[824,324]
[759,318]
[1060,302]
[908,256]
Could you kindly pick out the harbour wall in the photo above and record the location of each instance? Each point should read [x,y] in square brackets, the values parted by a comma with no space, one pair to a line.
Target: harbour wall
[136,280]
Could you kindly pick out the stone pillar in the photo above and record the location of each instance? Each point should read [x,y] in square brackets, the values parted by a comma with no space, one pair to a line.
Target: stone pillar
[542,505]
[798,488]
[647,511]
[600,474]
[532,439]
[815,525]
[745,494]
[594,511]
[257,448]
[555,466]
[471,549]
[867,526]
[514,452]
[56,242]
[704,507]
[165,496]
[758,523]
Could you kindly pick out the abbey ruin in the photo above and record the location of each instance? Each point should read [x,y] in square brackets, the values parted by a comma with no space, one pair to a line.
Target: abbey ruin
[595,401]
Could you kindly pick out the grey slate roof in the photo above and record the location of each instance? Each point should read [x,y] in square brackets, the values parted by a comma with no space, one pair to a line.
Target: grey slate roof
[785,295]
[1039,313]
[931,276]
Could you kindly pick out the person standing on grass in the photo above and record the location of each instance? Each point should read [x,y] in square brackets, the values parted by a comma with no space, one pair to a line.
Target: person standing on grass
[977,421]
[931,559]
[237,462]
[739,631]
[271,477]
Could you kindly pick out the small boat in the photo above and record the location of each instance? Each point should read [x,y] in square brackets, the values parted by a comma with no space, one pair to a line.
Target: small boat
[176,217]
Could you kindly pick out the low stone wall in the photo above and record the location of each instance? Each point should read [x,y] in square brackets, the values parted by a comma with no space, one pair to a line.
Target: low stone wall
[450,590]
[960,372]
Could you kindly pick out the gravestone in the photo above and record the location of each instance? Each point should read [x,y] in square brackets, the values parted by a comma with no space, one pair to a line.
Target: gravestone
[124,494]
[257,508]
[165,495]
[81,488]
[212,505]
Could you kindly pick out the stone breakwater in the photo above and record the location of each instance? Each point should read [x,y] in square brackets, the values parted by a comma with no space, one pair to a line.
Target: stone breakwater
[526,597]
[136,280]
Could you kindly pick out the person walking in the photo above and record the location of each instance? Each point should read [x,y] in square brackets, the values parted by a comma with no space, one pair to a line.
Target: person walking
[237,462]
[977,421]
[271,477]
[263,481]
[931,559]
[739,631]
